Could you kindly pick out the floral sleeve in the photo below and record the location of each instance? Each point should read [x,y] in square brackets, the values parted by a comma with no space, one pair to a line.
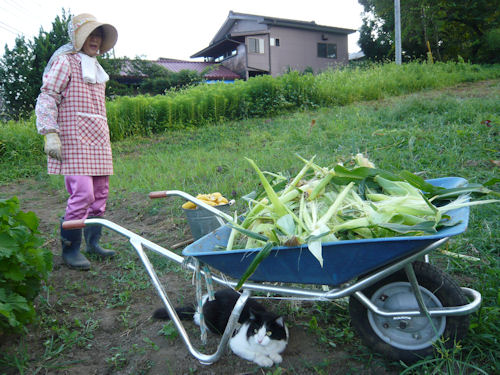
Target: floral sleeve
[54,83]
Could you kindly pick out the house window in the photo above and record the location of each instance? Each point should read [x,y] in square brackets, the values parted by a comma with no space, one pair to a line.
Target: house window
[226,55]
[327,50]
[256,45]
[275,42]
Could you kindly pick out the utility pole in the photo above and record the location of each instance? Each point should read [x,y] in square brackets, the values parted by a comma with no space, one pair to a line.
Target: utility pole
[397,22]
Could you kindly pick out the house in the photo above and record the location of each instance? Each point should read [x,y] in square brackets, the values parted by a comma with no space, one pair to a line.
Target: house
[130,74]
[253,45]
[211,72]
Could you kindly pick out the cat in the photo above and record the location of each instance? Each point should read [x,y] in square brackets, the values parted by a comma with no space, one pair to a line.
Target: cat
[261,337]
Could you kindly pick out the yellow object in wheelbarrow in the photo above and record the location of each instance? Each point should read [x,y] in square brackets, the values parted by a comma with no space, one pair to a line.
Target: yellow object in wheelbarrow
[202,221]
[213,199]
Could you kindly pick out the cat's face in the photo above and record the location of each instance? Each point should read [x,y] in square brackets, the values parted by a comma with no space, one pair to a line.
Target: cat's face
[265,327]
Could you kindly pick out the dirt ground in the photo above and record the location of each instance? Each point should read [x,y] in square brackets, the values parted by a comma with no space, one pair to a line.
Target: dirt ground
[99,322]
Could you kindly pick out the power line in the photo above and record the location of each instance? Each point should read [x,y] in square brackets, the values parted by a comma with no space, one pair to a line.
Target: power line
[36,3]
[8,10]
[9,17]
[10,27]
[19,13]
[18,6]
[12,32]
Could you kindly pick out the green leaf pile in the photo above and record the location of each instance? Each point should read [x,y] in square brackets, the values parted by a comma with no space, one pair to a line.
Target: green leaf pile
[345,202]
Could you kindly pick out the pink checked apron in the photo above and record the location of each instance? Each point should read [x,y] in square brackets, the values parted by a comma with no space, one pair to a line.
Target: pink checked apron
[83,128]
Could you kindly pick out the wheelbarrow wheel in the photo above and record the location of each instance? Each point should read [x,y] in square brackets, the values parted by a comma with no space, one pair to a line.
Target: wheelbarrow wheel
[403,338]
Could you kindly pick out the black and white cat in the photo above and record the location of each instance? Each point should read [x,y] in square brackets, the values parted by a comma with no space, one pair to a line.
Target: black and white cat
[262,336]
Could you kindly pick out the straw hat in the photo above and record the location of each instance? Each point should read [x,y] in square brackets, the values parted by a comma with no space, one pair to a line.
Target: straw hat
[84,24]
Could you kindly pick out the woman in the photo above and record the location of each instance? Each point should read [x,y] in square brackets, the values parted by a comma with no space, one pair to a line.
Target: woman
[71,114]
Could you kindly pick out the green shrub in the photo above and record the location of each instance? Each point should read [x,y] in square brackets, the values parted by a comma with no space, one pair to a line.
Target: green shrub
[268,96]
[23,265]
[21,150]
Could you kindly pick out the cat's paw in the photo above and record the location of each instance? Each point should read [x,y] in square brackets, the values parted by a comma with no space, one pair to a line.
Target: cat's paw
[276,358]
[263,361]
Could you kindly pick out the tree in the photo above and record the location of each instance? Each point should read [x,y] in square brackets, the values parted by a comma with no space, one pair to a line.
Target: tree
[22,66]
[491,43]
[448,28]
[16,75]
[466,27]
[376,40]
[48,42]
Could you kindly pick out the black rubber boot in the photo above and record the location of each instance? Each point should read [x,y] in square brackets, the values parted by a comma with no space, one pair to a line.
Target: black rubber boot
[71,240]
[92,234]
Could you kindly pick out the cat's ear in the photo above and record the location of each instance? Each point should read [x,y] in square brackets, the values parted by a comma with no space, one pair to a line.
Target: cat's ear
[280,321]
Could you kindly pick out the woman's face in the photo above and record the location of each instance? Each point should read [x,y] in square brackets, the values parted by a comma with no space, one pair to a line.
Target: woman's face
[93,43]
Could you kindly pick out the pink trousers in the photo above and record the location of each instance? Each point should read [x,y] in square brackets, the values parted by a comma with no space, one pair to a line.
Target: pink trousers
[88,196]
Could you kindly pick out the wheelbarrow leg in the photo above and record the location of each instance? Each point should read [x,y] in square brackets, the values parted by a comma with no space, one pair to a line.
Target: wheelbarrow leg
[231,325]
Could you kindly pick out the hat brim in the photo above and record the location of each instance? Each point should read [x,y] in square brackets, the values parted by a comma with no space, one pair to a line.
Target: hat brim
[109,37]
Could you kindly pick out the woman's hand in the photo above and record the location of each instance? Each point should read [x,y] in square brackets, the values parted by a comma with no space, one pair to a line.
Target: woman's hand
[53,146]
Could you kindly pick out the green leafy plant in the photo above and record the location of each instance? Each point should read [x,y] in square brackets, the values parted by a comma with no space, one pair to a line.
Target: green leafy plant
[169,331]
[118,360]
[24,264]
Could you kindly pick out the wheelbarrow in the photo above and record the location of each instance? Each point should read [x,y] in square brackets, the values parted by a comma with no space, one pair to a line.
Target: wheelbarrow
[399,304]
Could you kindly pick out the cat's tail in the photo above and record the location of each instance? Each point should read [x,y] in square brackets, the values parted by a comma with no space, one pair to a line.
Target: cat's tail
[184,313]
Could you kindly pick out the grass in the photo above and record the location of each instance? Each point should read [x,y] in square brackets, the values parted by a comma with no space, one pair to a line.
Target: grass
[266,96]
[434,133]
[435,136]
[21,148]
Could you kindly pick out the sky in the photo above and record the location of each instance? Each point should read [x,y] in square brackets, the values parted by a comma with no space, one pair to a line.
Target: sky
[173,29]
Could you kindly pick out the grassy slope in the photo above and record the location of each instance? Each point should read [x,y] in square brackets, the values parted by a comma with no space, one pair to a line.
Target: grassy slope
[436,133]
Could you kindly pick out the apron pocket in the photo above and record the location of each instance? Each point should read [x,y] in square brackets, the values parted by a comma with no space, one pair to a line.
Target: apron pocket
[93,130]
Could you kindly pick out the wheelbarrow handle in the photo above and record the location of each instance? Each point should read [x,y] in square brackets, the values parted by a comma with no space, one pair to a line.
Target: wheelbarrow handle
[157,194]
[73,224]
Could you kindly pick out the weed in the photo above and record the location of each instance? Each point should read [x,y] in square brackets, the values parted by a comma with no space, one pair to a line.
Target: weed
[153,345]
[17,360]
[276,371]
[124,317]
[447,361]
[330,323]
[169,331]
[117,360]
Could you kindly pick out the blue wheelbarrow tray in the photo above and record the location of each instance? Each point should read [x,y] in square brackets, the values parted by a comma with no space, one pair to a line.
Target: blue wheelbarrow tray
[342,260]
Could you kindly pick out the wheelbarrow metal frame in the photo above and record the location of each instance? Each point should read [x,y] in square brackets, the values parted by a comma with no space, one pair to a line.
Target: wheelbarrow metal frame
[355,289]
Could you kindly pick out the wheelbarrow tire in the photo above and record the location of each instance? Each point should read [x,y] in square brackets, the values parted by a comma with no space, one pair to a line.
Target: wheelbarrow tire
[388,337]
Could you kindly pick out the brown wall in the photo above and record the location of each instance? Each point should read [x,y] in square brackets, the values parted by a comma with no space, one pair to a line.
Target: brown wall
[258,61]
[298,50]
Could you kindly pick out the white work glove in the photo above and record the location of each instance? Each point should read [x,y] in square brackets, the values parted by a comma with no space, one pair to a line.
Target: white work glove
[53,146]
